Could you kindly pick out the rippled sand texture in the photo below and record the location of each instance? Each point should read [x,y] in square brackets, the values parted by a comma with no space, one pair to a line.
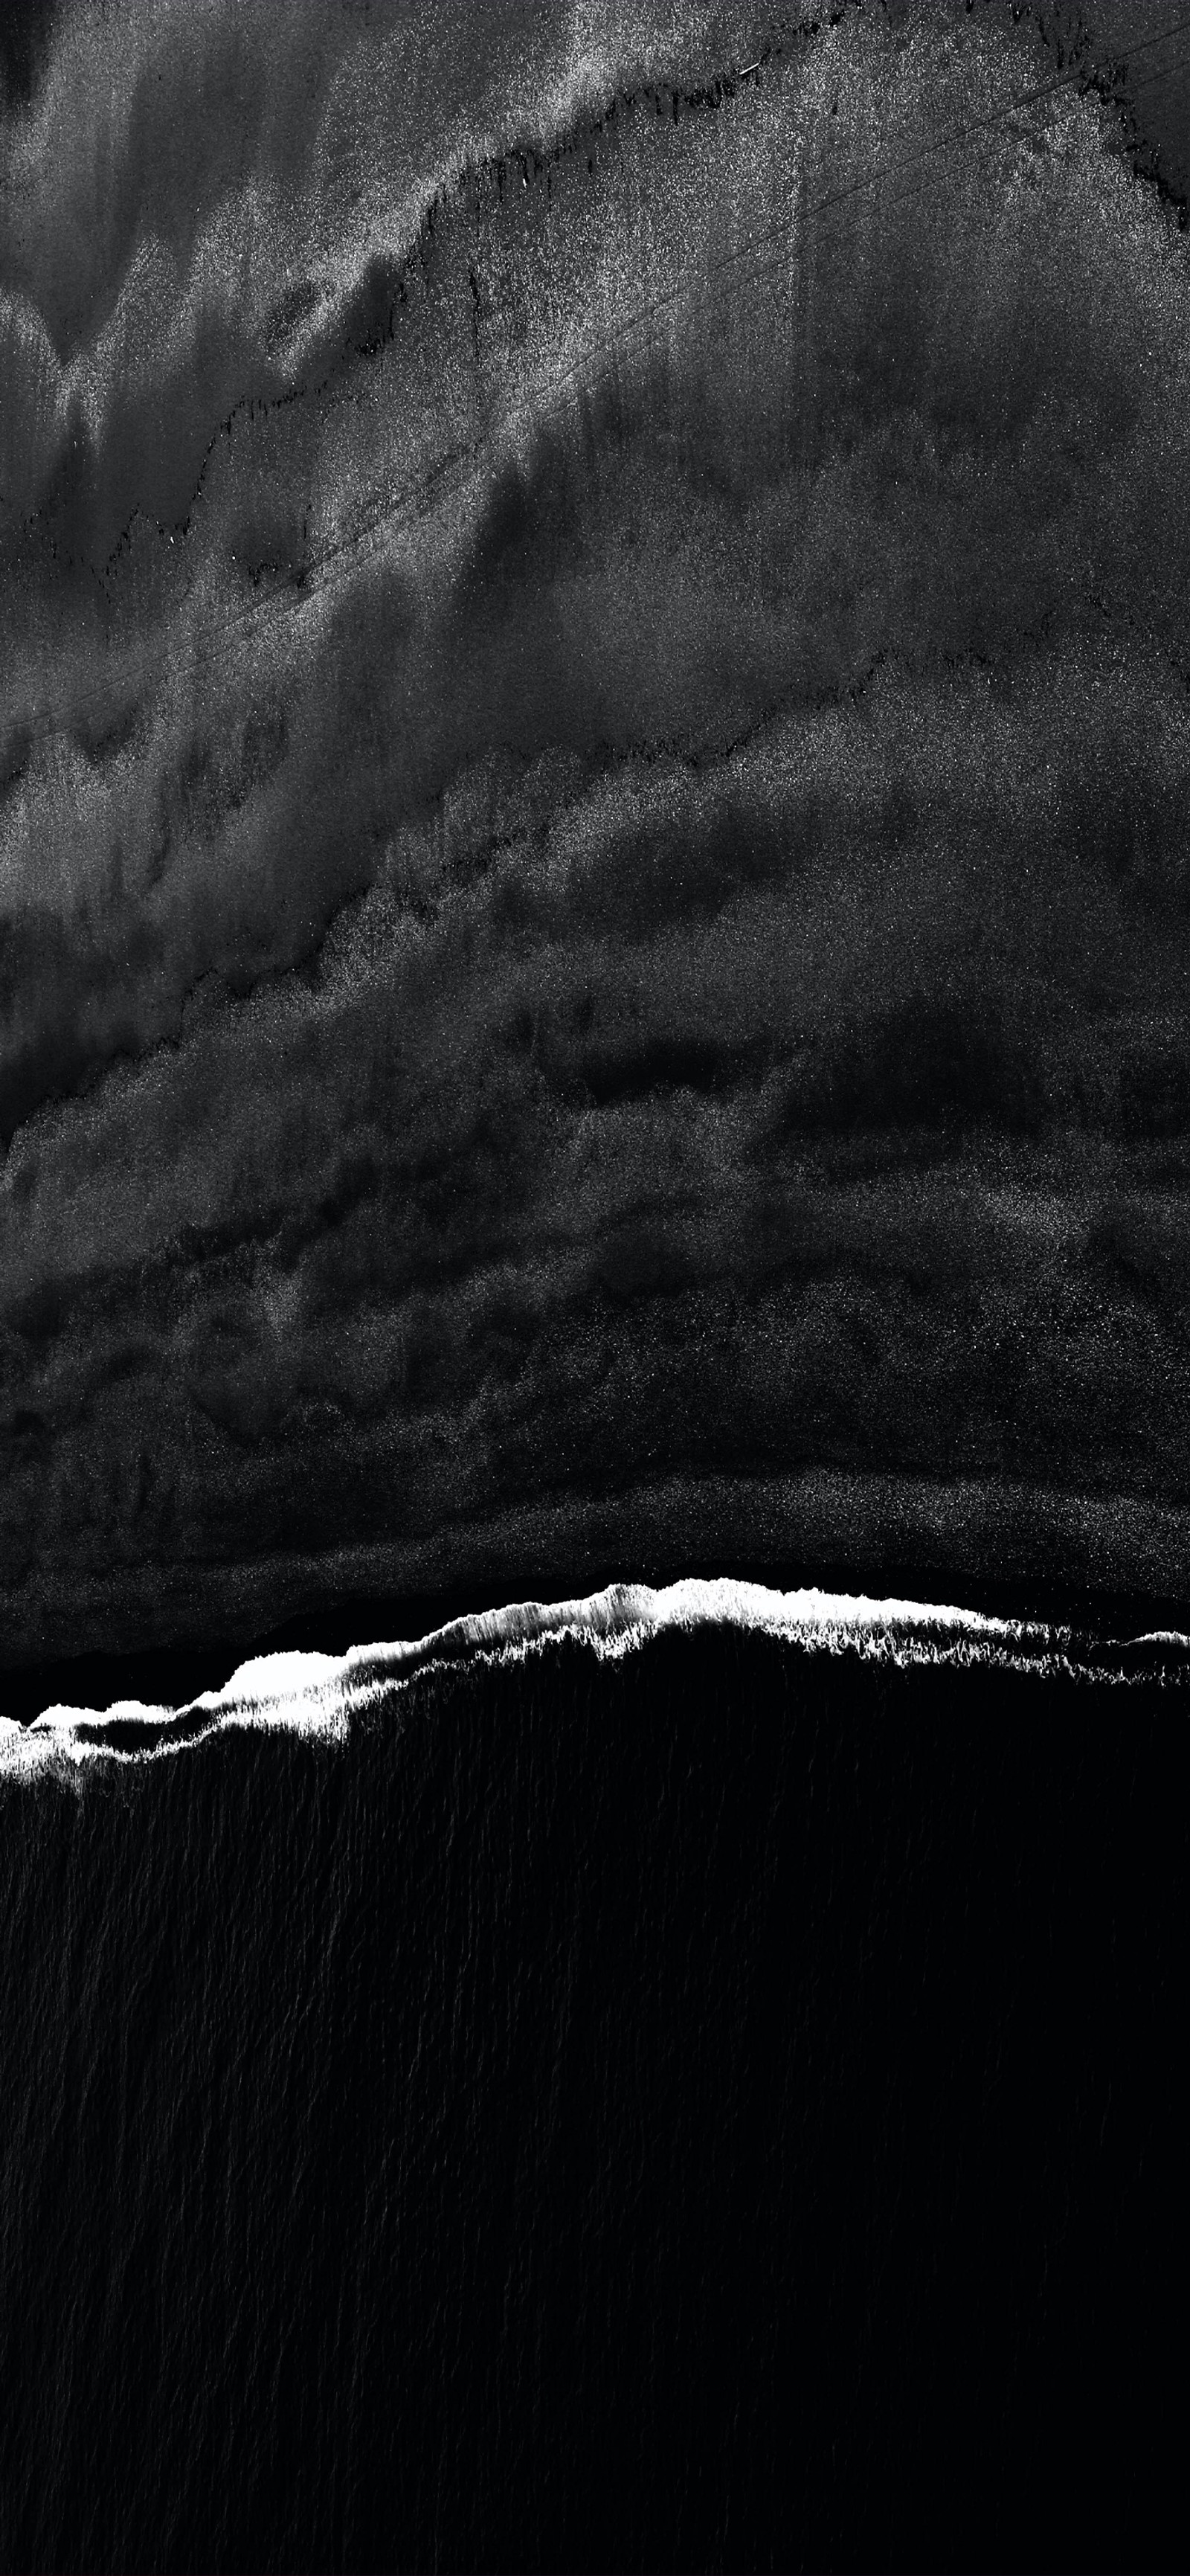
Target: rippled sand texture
[593,805]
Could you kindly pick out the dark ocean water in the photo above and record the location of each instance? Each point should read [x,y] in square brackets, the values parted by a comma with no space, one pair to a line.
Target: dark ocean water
[713,2108]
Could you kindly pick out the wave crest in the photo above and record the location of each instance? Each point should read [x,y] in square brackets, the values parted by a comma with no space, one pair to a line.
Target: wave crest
[319,1695]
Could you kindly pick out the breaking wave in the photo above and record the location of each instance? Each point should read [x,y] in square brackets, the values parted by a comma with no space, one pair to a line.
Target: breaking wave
[318,1695]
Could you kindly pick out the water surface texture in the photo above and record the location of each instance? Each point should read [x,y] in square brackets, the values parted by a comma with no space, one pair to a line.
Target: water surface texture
[708,2105]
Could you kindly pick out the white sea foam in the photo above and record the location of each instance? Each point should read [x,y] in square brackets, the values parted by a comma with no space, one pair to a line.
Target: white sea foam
[318,1695]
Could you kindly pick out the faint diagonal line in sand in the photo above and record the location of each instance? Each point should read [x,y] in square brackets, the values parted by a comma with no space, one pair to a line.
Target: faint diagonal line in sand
[407,509]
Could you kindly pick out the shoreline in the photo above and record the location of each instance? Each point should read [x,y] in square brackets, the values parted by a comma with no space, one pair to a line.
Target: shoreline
[1091,1562]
